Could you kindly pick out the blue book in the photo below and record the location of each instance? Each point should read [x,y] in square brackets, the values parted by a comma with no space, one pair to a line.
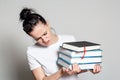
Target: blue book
[83,66]
[72,53]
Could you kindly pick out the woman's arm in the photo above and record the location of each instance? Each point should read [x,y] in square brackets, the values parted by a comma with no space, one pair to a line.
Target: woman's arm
[39,73]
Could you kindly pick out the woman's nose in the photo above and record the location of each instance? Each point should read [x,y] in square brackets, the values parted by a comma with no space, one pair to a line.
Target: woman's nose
[45,39]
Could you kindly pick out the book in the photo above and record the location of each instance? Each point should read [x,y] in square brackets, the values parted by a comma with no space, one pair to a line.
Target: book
[82,66]
[86,59]
[72,53]
[81,45]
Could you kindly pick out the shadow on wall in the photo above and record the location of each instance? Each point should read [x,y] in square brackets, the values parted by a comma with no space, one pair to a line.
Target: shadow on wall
[14,61]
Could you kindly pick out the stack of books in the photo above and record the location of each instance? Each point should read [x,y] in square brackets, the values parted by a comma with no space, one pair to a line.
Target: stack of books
[85,54]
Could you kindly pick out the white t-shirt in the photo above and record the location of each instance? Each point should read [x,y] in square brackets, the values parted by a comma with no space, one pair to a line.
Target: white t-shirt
[46,57]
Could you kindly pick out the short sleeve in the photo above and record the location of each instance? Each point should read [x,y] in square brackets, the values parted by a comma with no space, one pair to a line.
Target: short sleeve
[33,63]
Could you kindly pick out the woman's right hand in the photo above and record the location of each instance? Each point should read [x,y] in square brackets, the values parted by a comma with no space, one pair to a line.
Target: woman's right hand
[75,70]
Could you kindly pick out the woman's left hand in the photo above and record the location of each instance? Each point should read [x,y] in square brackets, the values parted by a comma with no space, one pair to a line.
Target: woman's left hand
[97,69]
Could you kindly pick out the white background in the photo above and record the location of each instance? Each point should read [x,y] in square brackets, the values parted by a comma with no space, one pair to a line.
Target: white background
[92,20]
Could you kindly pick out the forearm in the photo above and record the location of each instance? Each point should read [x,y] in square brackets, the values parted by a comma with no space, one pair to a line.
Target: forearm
[54,76]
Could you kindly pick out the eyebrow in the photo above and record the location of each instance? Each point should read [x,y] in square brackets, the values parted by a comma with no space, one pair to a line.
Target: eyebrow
[37,38]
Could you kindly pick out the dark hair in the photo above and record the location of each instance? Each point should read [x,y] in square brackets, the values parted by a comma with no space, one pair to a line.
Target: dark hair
[30,18]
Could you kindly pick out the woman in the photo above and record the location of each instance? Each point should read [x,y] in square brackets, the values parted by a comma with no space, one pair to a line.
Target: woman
[42,56]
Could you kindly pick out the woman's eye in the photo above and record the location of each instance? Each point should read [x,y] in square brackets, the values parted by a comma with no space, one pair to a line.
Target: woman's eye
[45,33]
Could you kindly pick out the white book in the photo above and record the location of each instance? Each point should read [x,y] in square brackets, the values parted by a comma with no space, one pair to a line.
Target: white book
[82,66]
[80,45]
[76,54]
[79,59]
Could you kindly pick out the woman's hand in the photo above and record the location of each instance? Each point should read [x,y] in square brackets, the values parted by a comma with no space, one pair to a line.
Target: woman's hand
[97,69]
[75,70]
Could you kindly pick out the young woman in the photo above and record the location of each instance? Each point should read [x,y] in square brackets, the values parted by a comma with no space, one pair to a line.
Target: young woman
[42,56]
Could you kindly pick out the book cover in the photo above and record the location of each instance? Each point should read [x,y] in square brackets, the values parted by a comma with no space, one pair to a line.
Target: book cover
[80,45]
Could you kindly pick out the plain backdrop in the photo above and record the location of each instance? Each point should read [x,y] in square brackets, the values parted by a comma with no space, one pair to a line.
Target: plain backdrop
[91,20]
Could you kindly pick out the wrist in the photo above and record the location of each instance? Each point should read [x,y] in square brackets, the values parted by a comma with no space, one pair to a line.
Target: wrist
[61,72]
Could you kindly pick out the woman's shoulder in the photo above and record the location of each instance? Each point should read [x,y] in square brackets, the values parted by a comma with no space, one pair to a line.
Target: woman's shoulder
[35,48]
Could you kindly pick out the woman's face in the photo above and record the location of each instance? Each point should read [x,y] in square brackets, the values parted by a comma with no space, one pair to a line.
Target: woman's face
[42,34]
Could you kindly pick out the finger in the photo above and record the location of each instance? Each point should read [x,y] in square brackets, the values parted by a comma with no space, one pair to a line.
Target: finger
[79,70]
[65,70]
[99,68]
[76,68]
[94,70]
[69,72]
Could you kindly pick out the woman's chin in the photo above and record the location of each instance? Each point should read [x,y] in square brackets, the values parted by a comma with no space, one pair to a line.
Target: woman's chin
[46,45]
